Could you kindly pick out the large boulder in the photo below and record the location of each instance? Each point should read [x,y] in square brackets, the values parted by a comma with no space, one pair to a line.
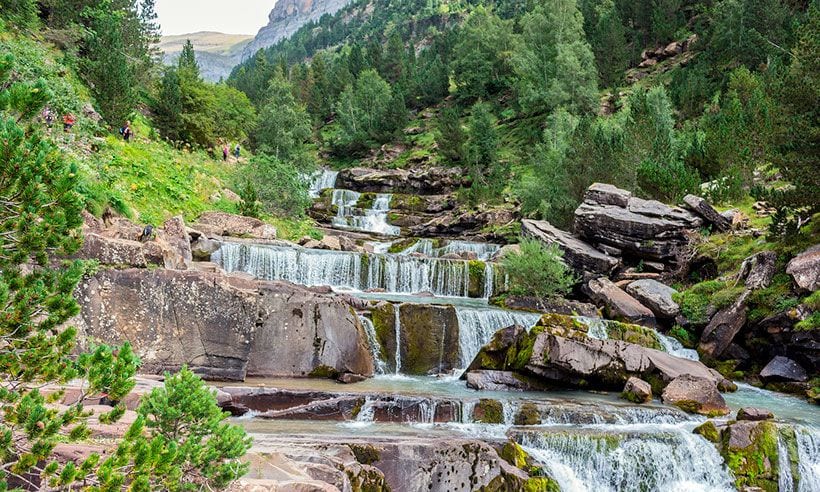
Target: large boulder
[705,210]
[783,369]
[805,268]
[723,327]
[695,394]
[175,244]
[222,326]
[425,181]
[637,390]
[656,296]
[560,352]
[112,251]
[578,254]
[645,229]
[232,225]
[619,304]
[501,381]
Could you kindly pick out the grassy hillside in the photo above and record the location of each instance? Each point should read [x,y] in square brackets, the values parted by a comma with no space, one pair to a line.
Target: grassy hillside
[210,42]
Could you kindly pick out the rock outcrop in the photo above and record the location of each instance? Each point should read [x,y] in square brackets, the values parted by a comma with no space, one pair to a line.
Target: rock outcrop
[637,390]
[579,255]
[619,304]
[425,181]
[783,369]
[222,326]
[558,352]
[805,268]
[656,296]
[225,224]
[644,229]
[723,327]
[287,17]
[705,210]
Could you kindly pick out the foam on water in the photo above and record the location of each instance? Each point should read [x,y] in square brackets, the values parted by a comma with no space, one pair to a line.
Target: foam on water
[476,327]
[348,215]
[597,328]
[379,365]
[483,251]
[321,180]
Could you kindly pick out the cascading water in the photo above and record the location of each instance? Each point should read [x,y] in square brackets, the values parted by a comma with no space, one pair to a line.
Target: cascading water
[785,480]
[483,251]
[808,451]
[489,280]
[347,270]
[597,328]
[655,457]
[374,219]
[476,327]
[321,180]
[380,367]
[397,325]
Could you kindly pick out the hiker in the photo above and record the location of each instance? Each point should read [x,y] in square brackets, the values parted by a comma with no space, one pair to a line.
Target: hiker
[225,152]
[68,122]
[48,117]
[126,131]
[236,151]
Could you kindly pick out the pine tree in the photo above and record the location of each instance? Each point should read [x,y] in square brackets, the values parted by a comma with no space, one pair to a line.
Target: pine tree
[555,64]
[451,136]
[609,44]
[482,147]
[284,125]
[187,63]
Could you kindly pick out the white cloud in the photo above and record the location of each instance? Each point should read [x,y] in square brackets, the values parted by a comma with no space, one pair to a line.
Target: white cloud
[228,16]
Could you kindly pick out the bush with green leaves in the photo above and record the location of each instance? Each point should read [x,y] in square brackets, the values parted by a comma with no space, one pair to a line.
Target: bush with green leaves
[279,185]
[539,271]
[180,441]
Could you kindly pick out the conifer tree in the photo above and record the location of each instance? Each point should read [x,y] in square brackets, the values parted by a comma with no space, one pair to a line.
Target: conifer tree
[609,44]
[451,136]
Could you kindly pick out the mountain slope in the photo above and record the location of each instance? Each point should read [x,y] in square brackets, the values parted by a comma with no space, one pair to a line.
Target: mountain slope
[217,53]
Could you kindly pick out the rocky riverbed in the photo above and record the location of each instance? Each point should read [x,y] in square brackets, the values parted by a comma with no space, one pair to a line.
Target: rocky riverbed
[451,384]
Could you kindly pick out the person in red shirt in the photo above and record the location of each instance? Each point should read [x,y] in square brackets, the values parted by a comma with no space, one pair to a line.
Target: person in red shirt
[68,122]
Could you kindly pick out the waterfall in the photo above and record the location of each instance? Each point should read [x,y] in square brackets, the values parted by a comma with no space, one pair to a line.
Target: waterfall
[374,219]
[667,457]
[489,279]
[321,180]
[597,328]
[476,327]
[808,451]
[347,270]
[785,480]
[397,326]
[483,251]
[379,366]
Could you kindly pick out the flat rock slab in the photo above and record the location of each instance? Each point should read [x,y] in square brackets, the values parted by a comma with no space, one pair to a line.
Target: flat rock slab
[783,369]
[578,254]
[805,268]
[619,304]
[656,296]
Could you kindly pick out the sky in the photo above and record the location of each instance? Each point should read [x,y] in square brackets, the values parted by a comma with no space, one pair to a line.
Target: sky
[227,16]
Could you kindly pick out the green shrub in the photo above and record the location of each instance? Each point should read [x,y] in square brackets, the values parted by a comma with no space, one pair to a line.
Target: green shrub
[695,301]
[538,271]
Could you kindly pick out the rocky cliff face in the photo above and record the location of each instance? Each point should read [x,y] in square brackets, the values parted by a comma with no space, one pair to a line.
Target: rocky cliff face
[287,17]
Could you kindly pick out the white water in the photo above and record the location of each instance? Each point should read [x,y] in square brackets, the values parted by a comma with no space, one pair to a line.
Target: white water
[489,280]
[638,458]
[379,366]
[374,219]
[397,326]
[483,251]
[347,270]
[476,327]
[785,481]
[597,328]
[808,451]
[321,180]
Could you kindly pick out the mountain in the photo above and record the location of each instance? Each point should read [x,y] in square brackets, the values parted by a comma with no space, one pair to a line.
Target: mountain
[287,17]
[217,53]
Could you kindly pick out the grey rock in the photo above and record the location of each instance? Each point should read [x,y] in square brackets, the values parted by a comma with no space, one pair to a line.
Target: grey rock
[656,296]
[112,251]
[286,18]
[637,390]
[607,194]
[500,381]
[175,244]
[695,395]
[783,369]
[349,378]
[424,181]
[805,268]
[222,326]
[619,304]
[578,254]
[203,248]
[225,224]
[705,210]
[347,244]
[754,414]
[758,270]
[723,327]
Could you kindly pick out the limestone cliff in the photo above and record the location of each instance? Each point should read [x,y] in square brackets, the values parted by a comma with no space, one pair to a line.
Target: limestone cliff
[287,17]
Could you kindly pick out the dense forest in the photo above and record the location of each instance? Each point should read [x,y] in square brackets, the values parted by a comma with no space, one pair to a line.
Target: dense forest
[534,99]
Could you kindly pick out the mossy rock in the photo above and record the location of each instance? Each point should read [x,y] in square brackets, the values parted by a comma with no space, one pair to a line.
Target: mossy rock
[477,271]
[515,455]
[638,335]
[324,372]
[401,244]
[528,414]
[563,326]
[757,464]
[541,484]
[384,322]
[366,454]
[366,201]
[709,431]
[488,411]
[429,338]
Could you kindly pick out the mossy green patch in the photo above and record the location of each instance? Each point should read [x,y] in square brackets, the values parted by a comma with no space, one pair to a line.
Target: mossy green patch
[709,431]
[757,464]
[476,281]
[488,411]
[633,334]
[695,301]
[324,372]
[528,414]
[366,454]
